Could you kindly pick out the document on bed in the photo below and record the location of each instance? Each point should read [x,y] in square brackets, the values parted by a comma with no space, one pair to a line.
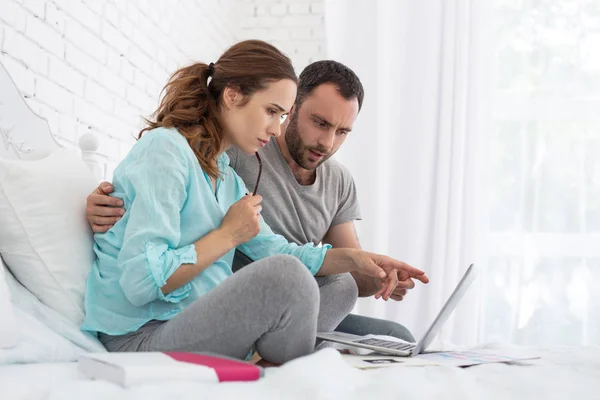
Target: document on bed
[445,358]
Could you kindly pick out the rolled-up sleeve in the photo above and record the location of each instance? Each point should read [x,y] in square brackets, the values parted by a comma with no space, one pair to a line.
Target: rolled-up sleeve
[155,187]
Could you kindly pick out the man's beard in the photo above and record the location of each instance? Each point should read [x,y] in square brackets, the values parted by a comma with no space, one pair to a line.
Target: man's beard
[297,148]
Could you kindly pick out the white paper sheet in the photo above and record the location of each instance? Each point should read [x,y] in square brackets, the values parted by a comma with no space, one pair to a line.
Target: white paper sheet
[446,359]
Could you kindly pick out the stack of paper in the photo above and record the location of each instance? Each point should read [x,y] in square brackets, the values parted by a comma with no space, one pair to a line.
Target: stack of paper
[446,358]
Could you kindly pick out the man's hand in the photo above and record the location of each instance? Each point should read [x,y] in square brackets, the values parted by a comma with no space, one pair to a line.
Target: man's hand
[378,266]
[102,211]
[399,291]
[398,294]
[344,236]
[369,286]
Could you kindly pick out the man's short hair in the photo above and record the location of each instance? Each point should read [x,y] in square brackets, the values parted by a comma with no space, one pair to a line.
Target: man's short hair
[329,71]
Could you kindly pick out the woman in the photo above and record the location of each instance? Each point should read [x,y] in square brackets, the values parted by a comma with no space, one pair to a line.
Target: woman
[162,280]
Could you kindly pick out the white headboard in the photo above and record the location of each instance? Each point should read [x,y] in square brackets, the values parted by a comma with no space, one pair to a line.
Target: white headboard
[25,135]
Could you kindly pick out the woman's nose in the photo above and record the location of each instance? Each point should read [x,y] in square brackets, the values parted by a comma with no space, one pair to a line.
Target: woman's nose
[275,130]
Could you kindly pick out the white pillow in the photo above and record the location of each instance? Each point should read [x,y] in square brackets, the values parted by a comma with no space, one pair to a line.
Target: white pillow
[37,344]
[45,239]
[8,327]
[44,335]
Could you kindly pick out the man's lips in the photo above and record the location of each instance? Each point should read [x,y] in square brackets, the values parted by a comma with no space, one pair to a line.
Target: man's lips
[315,154]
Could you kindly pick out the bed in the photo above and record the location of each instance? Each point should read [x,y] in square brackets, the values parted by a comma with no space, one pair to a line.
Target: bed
[41,289]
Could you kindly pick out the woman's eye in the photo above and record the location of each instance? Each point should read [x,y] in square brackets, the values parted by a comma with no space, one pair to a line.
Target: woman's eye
[272,111]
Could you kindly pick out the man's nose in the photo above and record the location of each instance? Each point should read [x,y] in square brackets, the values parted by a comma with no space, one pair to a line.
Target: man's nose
[327,139]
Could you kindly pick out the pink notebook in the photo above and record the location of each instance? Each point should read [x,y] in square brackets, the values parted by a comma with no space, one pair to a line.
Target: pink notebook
[129,369]
[227,369]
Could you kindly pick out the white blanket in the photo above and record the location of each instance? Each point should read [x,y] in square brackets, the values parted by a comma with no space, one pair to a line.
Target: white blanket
[561,373]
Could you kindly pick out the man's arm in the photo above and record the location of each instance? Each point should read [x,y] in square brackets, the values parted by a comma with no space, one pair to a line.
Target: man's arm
[344,236]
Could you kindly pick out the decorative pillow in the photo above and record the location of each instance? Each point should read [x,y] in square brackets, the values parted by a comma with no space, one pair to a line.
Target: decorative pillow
[8,327]
[45,239]
[44,335]
[37,344]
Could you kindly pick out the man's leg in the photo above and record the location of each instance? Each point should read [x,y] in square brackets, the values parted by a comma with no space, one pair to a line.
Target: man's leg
[361,325]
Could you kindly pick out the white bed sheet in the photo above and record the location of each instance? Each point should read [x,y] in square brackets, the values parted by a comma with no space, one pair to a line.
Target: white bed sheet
[562,372]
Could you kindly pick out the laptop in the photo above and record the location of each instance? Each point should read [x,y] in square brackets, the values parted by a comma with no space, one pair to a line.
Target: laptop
[406,349]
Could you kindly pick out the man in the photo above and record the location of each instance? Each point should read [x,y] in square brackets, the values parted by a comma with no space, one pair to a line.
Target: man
[307,197]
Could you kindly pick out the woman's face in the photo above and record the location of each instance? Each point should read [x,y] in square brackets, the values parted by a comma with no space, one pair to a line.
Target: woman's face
[250,126]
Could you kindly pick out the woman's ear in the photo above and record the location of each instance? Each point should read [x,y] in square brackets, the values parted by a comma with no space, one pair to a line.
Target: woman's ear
[231,97]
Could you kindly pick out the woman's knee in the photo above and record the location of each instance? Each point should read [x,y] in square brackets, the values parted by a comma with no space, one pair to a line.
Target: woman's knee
[287,277]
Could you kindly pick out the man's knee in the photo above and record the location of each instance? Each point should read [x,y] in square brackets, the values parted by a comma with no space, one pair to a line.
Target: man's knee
[348,290]
[344,288]
[400,332]
[361,325]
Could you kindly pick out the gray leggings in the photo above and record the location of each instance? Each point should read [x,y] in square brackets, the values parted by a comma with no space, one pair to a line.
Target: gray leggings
[271,305]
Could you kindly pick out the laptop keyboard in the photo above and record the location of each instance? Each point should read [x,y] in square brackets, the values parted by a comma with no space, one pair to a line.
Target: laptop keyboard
[388,344]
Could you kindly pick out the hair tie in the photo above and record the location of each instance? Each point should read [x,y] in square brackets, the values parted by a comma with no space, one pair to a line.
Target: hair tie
[211,69]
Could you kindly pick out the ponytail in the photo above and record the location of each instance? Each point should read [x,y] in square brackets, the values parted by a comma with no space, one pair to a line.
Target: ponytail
[191,102]
[189,106]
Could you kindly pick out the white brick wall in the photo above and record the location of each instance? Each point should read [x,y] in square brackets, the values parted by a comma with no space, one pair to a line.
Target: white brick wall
[295,26]
[99,65]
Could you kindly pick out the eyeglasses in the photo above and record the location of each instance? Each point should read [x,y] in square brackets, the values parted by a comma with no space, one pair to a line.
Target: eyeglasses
[259,173]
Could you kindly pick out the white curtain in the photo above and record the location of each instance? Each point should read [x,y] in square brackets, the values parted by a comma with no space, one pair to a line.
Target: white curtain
[479,142]
[416,144]
[544,173]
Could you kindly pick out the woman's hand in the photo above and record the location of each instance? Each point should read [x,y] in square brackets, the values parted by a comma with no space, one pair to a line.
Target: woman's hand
[374,264]
[242,221]
[392,272]
[389,271]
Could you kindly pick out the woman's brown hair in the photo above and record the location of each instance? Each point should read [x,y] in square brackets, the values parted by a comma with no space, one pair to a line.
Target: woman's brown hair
[191,103]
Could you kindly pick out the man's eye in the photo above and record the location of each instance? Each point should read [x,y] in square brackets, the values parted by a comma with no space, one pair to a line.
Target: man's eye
[283,118]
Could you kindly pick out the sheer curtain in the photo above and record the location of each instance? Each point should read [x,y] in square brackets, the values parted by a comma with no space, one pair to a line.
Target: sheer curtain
[479,142]
[544,192]
[415,148]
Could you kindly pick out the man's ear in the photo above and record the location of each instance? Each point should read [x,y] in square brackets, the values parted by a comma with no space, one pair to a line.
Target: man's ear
[231,96]
[292,110]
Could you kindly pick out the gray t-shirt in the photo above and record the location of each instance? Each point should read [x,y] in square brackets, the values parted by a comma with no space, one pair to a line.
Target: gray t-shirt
[301,214]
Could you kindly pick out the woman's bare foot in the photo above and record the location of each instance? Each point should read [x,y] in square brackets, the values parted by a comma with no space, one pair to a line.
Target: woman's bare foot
[266,364]
[258,360]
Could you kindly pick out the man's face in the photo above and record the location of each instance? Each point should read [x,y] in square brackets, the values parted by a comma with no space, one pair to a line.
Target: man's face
[318,128]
